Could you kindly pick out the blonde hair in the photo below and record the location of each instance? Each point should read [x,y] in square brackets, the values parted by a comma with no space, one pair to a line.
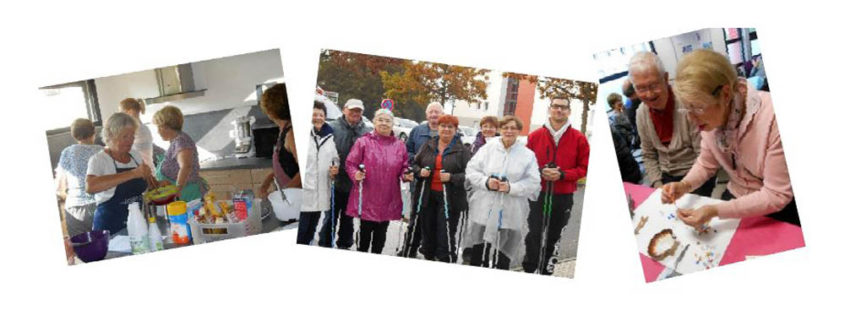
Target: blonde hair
[701,74]
[133,104]
[170,116]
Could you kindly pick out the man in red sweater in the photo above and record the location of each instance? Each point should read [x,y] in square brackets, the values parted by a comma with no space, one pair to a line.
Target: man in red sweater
[562,153]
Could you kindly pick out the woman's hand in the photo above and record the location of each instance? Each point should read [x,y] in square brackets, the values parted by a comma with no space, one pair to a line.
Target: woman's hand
[142,171]
[504,187]
[359,176]
[425,172]
[408,177]
[673,191]
[333,170]
[445,177]
[493,184]
[698,217]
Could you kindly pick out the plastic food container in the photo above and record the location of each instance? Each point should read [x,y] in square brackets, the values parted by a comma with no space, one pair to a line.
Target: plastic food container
[179,232]
[210,232]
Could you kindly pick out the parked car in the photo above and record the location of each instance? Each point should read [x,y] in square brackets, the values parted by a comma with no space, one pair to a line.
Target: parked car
[402,127]
[467,134]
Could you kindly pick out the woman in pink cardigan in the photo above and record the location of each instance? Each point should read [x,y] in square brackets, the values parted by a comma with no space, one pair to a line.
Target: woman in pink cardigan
[739,133]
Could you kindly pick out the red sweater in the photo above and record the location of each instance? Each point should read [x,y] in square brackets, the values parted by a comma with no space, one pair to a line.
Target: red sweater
[571,155]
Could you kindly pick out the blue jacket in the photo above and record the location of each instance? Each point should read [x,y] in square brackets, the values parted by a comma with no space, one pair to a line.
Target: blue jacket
[417,139]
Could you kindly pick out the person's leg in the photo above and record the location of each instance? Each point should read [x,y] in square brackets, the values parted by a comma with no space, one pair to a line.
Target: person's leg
[379,235]
[476,254]
[346,225]
[562,205]
[307,224]
[340,201]
[365,236]
[503,262]
[454,219]
[532,240]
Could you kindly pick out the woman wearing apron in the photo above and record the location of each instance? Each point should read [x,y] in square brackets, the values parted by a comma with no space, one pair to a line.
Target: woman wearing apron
[115,175]
[180,164]
[274,103]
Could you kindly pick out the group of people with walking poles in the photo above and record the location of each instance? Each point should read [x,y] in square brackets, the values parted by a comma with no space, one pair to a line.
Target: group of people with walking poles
[494,203]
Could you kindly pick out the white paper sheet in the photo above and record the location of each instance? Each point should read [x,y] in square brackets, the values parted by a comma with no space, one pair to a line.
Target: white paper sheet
[705,249]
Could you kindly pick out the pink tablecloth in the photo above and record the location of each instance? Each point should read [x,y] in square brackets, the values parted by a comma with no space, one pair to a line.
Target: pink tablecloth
[754,236]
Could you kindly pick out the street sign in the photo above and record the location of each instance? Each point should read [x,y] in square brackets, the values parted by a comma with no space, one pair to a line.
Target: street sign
[387,104]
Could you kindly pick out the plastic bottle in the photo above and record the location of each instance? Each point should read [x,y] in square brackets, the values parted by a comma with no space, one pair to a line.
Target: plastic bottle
[154,234]
[137,228]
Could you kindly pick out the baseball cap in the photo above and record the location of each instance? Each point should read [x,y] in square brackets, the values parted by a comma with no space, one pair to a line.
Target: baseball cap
[354,103]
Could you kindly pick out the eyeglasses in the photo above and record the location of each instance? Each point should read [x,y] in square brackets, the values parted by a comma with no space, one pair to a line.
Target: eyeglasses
[564,107]
[650,87]
[698,111]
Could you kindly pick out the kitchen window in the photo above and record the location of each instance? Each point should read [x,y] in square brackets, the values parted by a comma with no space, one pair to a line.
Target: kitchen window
[61,104]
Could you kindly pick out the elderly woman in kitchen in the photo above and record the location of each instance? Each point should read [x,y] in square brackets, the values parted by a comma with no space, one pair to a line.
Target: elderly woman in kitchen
[740,135]
[375,197]
[504,175]
[180,165]
[117,176]
[143,137]
[70,175]
[274,104]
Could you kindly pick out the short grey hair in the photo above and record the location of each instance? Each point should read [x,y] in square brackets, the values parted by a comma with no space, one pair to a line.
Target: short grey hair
[115,124]
[645,60]
[432,105]
[383,111]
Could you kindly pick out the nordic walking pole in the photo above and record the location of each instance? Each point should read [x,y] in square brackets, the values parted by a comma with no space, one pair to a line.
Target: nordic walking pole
[360,199]
[446,214]
[401,224]
[547,215]
[334,163]
[417,216]
[499,227]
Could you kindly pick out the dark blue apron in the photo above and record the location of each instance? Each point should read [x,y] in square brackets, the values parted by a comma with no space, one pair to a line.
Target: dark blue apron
[111,215]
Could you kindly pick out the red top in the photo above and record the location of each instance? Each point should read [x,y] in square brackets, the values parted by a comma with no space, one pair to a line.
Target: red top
[662,119]
[571,155]
[436,184]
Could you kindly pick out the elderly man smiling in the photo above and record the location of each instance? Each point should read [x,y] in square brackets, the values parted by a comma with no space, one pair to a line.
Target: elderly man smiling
[669,141]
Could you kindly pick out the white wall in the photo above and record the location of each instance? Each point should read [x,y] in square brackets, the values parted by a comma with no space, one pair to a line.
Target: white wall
[670,54]
[469,113]
[229,82]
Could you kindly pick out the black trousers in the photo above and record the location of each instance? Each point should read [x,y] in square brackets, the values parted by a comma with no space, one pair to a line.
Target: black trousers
[439,244]
[307,225]
[346,227]
[788,214]
[561,211]
[375,232]
[705,189]
[478,257]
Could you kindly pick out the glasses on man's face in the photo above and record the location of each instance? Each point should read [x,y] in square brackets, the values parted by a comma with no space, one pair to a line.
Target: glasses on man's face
[561,107]
[652,87]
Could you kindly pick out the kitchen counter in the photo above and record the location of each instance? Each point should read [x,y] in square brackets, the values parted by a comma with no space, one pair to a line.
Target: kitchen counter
[236,163]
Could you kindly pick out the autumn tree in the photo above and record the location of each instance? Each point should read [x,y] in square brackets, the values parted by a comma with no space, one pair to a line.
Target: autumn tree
[420,83]
[548,87]
[354,75]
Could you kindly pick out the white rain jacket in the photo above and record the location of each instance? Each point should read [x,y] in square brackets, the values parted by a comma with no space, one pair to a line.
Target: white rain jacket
[316,193]
[519,165]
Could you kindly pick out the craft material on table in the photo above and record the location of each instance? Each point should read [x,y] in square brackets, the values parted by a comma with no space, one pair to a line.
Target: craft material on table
[705,248]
